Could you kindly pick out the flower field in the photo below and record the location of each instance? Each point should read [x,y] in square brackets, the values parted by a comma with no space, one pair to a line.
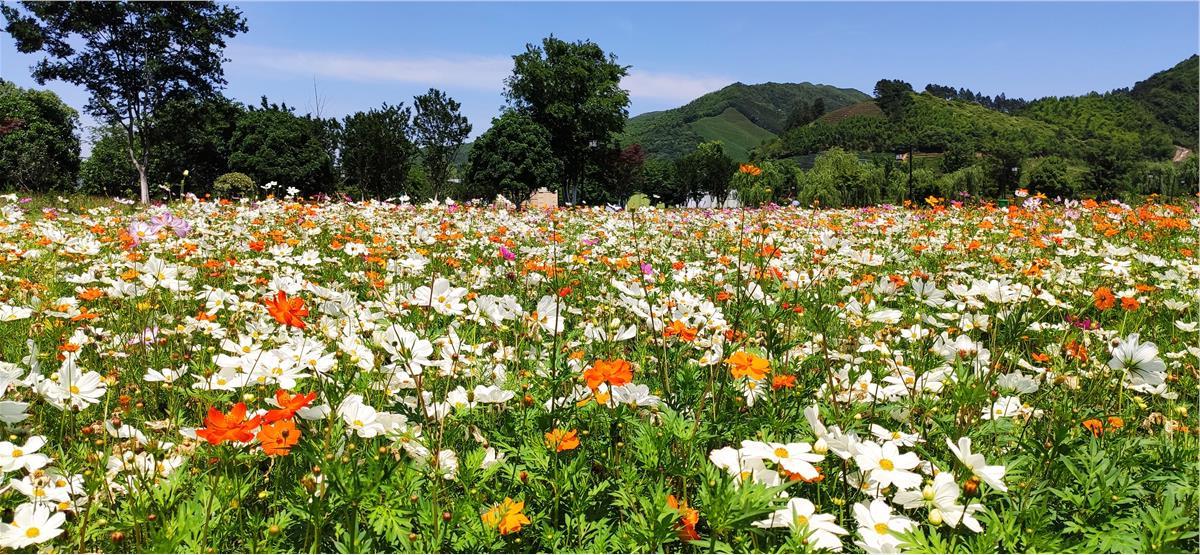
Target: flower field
[287,376]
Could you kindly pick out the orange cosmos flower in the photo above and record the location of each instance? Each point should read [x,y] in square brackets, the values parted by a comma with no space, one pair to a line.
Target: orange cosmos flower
[287,311]
[783,381]
[744,364]
[1115,423]
[91,294]
[233,426]
[278,438]
[288,405]
[678,328]
[562,440]
[1094,426]
[1103,298]
[1129,303]
[507,517]
[688,518]
[750,169]
[613,372]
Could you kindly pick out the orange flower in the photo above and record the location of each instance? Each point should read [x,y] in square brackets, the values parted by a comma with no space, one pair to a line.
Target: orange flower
[1103,298]
[507,516]
[613,372]
[288,405]
[1129,303]
[1094,426]
[678,328]
[562,440]
[277,438]
[1077,351]
[228,427]
[744,364]
[287,311]
[783,381]
[1115,423]
[91,294]
[688,518]
[750,169]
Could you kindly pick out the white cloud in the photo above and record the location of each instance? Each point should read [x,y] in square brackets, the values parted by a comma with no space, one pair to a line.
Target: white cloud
[670,86]
[479,72]
[476,72]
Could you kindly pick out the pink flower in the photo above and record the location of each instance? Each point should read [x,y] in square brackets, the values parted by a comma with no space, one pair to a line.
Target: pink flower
[507,254]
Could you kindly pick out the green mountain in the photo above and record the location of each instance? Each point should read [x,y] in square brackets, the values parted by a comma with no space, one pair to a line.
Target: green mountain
[1171,96]
[740,116]
[1139,123]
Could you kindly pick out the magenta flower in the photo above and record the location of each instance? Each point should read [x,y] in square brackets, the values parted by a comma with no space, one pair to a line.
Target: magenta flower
[507,254]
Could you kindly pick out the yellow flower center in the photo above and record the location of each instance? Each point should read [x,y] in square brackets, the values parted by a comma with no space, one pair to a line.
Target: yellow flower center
[39,492]
[74,390]
[801,521]
[881,528]
[17,453]
[32,533]
[886,464]
[781,453]
[358,423]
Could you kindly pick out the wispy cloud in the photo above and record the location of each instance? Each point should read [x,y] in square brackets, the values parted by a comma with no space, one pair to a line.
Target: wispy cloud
[477,72]
[671,86]
[474,72]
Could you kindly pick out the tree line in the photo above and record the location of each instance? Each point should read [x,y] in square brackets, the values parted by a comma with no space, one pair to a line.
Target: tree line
[153,73]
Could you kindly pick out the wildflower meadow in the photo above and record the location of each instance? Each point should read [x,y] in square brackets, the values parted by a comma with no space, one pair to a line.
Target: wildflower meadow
[297,375]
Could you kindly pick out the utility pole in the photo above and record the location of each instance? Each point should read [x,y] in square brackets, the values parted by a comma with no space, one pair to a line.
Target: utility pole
[910,170]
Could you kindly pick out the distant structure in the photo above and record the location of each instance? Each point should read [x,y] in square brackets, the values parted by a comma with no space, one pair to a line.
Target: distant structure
[541,198]
[1181,154]
[709,201]
[503,203]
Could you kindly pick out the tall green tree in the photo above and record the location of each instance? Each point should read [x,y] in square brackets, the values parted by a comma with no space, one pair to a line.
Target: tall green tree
[706,170]
[512,158]
[892,96]
[272,143]
[108,169]
[39,150]
[439,129]
[192,133]
[376,151]
[131,57]
[573,90]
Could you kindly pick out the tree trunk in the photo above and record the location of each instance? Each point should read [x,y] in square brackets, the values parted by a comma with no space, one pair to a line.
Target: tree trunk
[144,183]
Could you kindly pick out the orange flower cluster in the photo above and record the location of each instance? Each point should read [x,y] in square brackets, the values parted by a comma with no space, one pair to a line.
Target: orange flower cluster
[1097,428]
[688,518]
[612,372]
[680,330]
[562,440]
[750,169]
[507,517]
[743,364]
[289,312]
[277,432]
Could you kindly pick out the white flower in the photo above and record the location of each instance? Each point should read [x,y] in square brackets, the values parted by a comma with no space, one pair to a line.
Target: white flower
[360,418]
[1140,360]
[796,458]
[1003,407]
[887,466]
[992,474]
[877,524]
[25,456]
[821,529]
[31,524]
[12,412]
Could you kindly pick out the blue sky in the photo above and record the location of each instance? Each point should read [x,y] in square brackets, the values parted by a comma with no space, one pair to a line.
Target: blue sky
[366,53]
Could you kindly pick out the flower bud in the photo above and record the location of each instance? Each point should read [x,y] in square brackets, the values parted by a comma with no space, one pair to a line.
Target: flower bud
[820,447]
[935,517]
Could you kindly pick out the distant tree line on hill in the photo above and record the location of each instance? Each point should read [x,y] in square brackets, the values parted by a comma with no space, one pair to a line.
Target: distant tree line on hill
[166,129]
